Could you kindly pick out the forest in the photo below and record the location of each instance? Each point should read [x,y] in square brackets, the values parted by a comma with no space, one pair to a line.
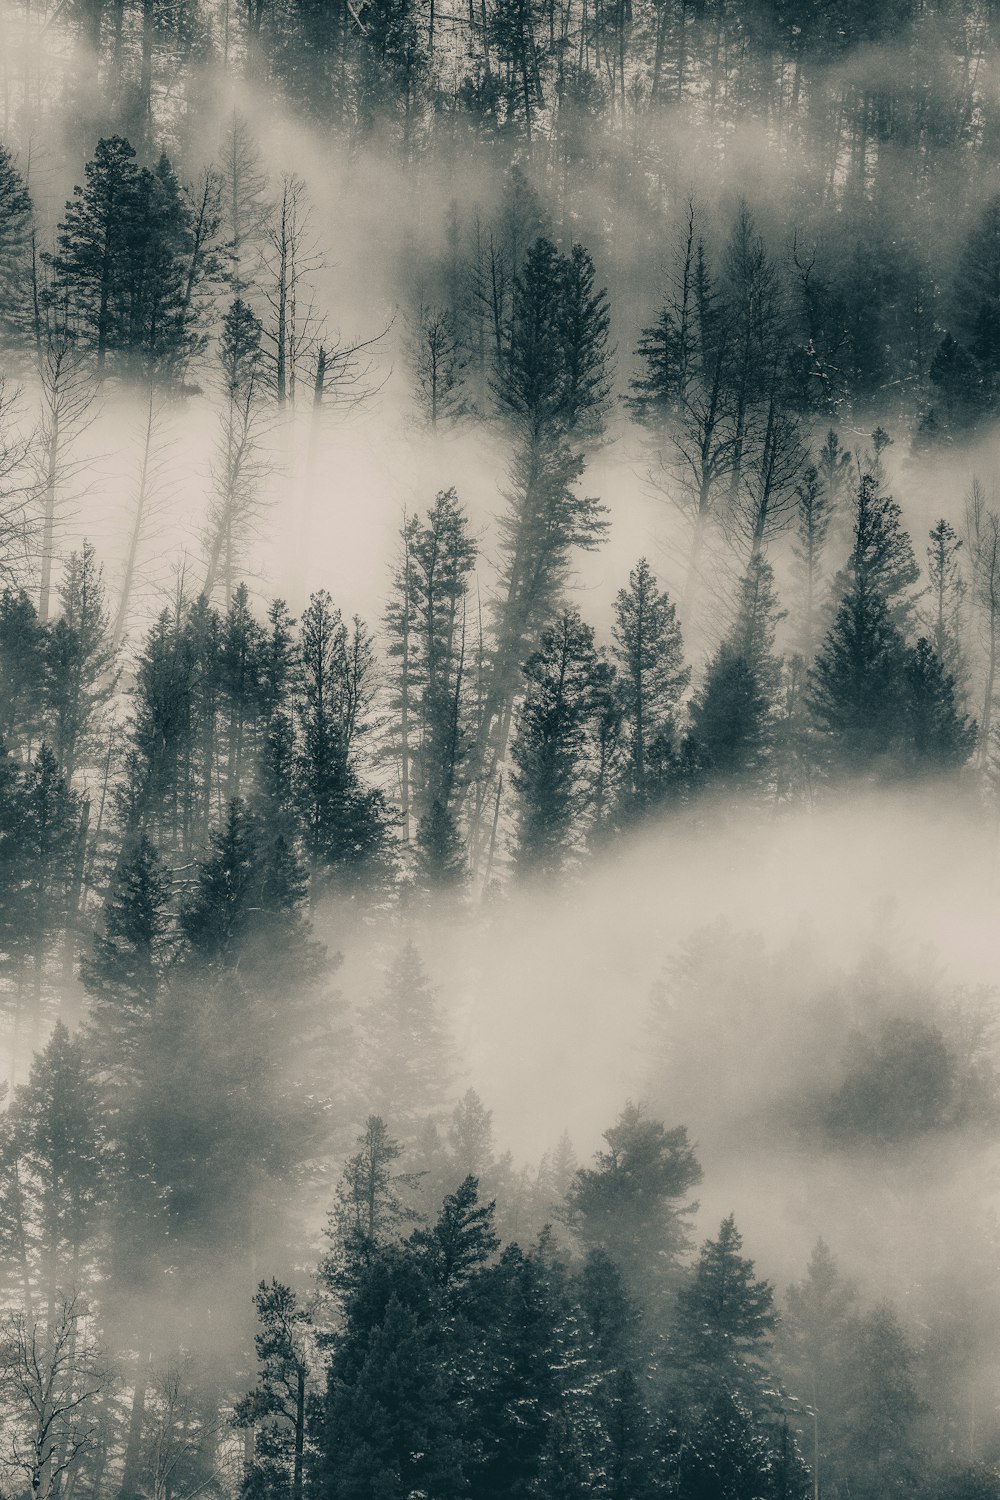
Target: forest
[499,749]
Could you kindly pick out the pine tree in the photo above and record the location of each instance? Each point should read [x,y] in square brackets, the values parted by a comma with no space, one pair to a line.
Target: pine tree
[426,620]
[80,676]
[856,689]
[124,264]
[940,737]
[944,618]
[814,1343]
[553,376]
[814,514]
[344,822]
[126,970]
[563,680]
[732,714]
[438,368]
[238,465]
[51,831]
[52,1179]
[15,253]
[408,1052]
[23,645]
[370,1209]
[629,1204]
[651,678]
[879,1438]
[723,1321]
[277,1406]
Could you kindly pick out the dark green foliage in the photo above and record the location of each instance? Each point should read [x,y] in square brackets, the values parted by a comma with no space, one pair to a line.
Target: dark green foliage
[15,252]
[881,1452]
[52,1177]
[276,1407]
[941,737]
[125,264]
[732,713]
[552,378]
[649,655]
[564,682]
[723,1322]
[22,671]
[344,822]
[900,1083]
[80,676]
[630,1204]
[127,967]
[857,690]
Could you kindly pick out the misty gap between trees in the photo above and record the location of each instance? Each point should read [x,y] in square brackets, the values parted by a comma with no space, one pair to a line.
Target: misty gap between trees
[499,749]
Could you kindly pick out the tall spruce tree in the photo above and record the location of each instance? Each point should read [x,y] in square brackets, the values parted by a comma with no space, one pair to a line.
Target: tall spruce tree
[648,653]
[563,683]
[857,692]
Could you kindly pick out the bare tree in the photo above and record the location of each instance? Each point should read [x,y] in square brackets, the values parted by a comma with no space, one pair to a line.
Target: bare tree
[18,521]
[52,1376]
[291,258]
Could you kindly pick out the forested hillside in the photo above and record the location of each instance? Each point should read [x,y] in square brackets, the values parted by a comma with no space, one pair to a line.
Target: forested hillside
[499,749]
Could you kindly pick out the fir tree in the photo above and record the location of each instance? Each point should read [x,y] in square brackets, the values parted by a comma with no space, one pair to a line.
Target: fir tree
[723,1321]
[563,681]
[344,822]
[940,737]
[944,617]
[732,714]
[408,1067]
[125,971]
[15,252]
[629,1204]
[277,1406]
[856,689]
[651,678]
[80,676]
[23,647]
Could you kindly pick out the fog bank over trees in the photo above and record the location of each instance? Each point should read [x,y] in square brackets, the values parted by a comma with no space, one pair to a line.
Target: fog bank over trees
[499,750]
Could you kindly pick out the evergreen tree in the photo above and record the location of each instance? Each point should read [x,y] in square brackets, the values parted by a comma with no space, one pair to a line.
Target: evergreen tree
[370,1206]
[277,1406]
[23,645]
[564,679]
[124,264]
[344,822]
[15,252]
[553,376]
[944,617]
[651,678]
[238,465]
[126,970]
[814,1340]
[52,1180]
[856,690]
[438,368]
[629,1206]
[732,713]
[723,1322]
[408,1062]
[80,676]
[880,1445]
[940,737]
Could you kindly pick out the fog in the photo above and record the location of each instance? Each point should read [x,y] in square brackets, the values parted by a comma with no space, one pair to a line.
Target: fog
[790,952]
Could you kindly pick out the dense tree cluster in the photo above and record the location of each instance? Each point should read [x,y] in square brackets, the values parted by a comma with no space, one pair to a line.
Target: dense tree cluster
[196,782]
